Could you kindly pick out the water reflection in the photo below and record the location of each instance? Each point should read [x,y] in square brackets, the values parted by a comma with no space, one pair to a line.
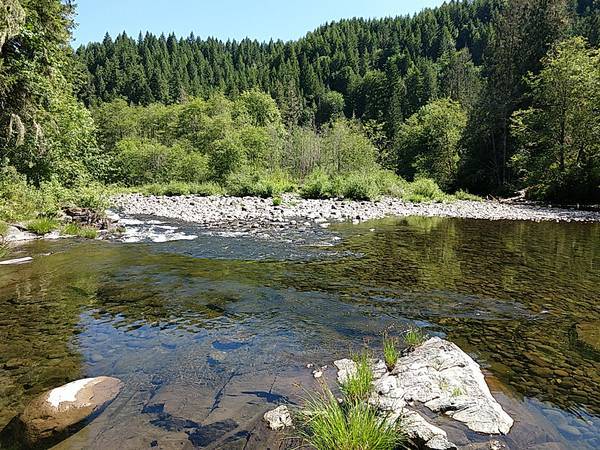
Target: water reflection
[207,328]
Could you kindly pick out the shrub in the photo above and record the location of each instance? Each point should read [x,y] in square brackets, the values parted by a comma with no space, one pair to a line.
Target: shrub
[424,190]
[357,186]
[389,183]
[464,195]
[74,229]
[350,425]
[175,188]
[3,229]
[43,225]
[359,385]
[18,199]
[142,162]
[317,185]
[390,351]
[258,183]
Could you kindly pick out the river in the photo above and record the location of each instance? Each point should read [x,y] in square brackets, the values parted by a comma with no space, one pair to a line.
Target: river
[209,333]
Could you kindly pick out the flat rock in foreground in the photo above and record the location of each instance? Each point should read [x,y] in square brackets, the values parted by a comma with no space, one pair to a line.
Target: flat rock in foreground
[56,414]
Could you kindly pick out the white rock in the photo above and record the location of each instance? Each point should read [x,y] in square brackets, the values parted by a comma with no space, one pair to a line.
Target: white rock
[444,378]
[279,418]
[346,368]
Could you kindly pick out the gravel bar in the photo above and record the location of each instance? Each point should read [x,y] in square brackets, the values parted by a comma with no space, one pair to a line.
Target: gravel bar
[235,212]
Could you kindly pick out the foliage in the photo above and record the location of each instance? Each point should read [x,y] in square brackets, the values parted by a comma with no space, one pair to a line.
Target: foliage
[359,385]
[414,337]
[317,185]
[424,190]
[83,231]
[143,162]
[42,226]
[390,351]
[259,183]
[175,188]
[464,195]
[357,186]
[20,200]
[428,143]
[559,136]
[350,425]
[45,131]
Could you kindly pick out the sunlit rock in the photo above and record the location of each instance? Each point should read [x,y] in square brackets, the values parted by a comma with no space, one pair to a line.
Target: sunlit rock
[279,418]
[56,414]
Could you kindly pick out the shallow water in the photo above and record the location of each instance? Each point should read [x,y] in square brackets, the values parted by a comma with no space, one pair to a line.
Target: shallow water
[209,333]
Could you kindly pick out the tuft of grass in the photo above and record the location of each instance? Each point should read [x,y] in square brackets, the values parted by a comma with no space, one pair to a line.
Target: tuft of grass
[43,225]
[464,195]
[277,200]
[329,424]
[414,337]
[456,392]
[390,351]
[359,385]
[83,231]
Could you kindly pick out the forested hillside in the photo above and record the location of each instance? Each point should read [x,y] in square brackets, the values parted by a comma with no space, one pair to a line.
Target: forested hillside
[379,71]
[487,96]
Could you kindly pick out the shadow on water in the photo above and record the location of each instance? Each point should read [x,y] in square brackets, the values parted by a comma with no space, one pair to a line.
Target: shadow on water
[207,334]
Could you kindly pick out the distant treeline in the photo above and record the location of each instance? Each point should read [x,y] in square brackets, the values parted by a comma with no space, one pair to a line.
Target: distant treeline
[489,96]
[379,71]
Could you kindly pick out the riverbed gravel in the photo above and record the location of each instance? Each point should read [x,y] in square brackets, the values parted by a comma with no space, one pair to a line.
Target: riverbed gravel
[236,212]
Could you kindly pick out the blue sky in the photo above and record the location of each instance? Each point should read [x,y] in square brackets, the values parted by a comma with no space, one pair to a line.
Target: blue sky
[236,19]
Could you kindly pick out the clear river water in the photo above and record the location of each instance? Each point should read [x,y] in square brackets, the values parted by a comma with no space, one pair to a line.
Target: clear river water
[209,333]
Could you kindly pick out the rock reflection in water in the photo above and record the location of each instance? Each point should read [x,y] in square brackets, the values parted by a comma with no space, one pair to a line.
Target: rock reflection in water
[205,339]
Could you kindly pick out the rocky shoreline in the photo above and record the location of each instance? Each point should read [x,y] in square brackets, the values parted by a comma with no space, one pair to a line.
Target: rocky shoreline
[295,212]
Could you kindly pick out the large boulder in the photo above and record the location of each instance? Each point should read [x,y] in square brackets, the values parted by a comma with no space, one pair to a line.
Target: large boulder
[56,414]
[445,379]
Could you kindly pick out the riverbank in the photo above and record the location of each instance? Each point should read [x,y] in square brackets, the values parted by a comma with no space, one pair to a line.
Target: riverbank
[293,211]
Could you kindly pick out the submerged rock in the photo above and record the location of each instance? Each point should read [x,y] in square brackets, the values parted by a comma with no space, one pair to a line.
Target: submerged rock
[279,418]
[15,262]
[588,335]
[56,414]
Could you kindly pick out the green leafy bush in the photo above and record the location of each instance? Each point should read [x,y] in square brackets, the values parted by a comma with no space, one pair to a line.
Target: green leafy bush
[357,186]
[258,183]
[424,190]
[175,188]
[317,185]
[464,195]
